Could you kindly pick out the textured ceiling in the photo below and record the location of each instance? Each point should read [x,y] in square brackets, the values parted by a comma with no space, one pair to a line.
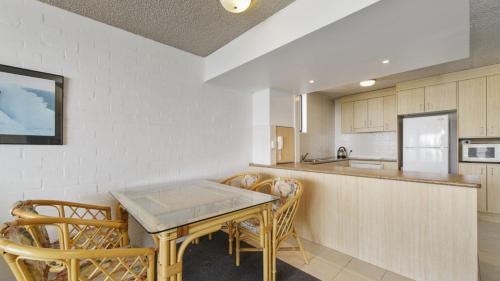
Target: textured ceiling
[196,26]
[484,50]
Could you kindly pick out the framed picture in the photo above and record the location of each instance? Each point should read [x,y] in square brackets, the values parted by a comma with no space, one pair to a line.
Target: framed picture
[31,107]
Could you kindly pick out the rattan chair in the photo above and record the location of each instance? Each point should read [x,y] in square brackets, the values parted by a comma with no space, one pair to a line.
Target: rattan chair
[92,254]
[283,218]
[62,209]
[243,180]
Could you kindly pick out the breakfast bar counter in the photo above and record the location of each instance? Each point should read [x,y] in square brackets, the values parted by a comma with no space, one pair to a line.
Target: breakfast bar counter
[422,226]
[334,168]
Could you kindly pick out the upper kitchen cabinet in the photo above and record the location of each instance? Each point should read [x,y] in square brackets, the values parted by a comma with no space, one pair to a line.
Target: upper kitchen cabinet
[347,116]
[472,108]
[442,97]
[411,101]
[493,106]
[369,115]
[360,115]
[390,113]
[374,111]
[376,114]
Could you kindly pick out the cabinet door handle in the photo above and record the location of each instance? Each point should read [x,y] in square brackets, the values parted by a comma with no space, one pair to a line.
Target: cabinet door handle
[491,171]
[428,106]
[482,171]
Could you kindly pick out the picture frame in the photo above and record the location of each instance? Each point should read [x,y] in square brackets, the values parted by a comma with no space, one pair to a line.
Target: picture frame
[31,107]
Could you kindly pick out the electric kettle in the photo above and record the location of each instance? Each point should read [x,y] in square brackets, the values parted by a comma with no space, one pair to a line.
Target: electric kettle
[342,153]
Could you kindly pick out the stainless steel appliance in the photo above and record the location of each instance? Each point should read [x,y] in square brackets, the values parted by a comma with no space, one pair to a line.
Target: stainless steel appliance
[342,153]
[480,151]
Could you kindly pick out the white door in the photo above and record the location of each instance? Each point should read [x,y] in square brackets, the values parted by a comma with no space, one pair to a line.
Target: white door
[430,131]
[430,160]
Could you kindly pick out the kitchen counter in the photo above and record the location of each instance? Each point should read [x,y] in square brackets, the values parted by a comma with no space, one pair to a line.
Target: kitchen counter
[360,159]
[414,217]
[333,168]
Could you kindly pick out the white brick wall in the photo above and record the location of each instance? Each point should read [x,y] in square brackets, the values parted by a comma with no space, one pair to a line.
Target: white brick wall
[136,111]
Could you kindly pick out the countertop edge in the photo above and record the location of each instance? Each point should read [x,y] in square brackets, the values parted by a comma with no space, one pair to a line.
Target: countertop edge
[359,173]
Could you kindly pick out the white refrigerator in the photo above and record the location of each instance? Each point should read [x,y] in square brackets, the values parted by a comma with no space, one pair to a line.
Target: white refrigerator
[426,145]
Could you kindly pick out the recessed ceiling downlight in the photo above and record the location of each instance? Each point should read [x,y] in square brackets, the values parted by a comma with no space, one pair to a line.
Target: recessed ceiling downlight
[386,61]
[311,81]
[367,83]
[236,6]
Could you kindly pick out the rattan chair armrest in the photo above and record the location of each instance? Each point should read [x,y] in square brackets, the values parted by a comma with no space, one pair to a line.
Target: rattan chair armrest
[67,203]
[35,253]
[225,181]
[55,220]
[258,187]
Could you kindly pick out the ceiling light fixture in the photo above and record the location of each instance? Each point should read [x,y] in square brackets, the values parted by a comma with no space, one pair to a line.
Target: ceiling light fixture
[311,81]
[386,61]
[367,83]
[236,6]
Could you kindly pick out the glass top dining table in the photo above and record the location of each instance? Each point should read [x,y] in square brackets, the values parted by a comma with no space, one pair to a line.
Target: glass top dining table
[163,207]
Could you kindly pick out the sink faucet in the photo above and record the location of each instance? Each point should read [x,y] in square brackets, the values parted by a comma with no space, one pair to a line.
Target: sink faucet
[303,157]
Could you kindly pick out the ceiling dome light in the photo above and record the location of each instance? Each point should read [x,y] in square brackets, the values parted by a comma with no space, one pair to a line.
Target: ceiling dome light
[367,83]
[236,6]
[311,81]
[386,61]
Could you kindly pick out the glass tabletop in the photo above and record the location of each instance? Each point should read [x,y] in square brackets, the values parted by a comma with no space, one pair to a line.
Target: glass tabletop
[163,207]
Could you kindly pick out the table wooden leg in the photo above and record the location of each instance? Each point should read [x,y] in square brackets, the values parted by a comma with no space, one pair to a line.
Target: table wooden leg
[167,256]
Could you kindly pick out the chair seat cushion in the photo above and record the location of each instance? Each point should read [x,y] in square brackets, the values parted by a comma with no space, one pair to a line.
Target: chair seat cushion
[284,189]
[252,225]
[244,181]
[38,269]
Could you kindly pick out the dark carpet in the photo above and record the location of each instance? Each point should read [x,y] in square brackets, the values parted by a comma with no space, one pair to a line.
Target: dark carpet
[210,261]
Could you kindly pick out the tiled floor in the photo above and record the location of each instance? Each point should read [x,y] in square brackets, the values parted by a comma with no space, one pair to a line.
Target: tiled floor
[329,265]
[489,250]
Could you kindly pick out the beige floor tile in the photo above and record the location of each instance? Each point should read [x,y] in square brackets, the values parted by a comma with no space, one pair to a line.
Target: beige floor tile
[368,271]
[312,247]
[391,276]
[346,275]
[335,257]
[293,258]
[489,250]
[321,269]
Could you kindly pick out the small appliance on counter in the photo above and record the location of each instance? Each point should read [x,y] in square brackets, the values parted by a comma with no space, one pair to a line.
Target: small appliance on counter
[487,151]
[342,153]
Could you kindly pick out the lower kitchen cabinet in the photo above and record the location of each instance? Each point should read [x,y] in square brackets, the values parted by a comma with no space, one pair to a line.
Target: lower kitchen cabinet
[390,165]
[494,189]
[488,196]
[481,171]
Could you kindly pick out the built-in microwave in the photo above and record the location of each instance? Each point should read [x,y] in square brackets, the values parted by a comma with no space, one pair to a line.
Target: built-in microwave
[480,151]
